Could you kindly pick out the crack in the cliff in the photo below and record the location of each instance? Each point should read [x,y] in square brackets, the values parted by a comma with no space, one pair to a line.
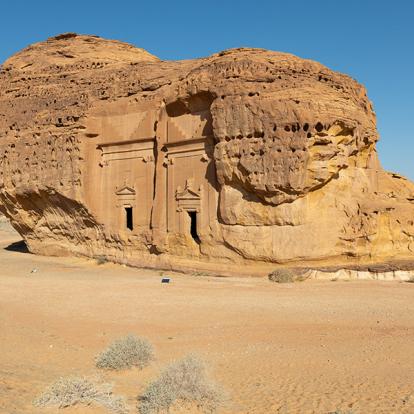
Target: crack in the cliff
[155,170]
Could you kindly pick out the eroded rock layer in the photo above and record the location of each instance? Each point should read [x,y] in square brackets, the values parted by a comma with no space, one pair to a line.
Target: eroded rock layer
[246,157]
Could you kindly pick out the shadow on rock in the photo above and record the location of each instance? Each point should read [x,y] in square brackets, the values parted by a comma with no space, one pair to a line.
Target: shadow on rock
[19,246]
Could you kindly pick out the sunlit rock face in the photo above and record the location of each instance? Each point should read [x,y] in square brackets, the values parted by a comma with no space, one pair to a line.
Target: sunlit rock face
[246,157]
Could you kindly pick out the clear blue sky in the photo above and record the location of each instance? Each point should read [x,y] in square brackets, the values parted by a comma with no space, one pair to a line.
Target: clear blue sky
[371,40]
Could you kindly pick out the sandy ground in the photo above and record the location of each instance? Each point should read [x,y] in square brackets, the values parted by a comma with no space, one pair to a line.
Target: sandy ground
[311,347]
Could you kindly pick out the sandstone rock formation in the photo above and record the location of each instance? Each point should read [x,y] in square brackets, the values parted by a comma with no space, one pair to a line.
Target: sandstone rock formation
[248,157]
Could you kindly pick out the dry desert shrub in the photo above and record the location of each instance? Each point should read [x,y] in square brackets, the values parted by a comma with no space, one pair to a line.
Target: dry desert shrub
[340,412]
[183,382]
[101,259]
[126,352]
[282,276]
[288,275]
[69,391]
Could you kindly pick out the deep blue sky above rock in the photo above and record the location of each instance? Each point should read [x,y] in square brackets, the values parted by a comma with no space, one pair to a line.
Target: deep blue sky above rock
[370,40]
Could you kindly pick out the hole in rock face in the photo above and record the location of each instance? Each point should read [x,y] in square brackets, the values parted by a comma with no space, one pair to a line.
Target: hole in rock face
[177,108]
[306,127]
[129,218]
[193,226]
[319,127]
[19,246]
[287,128]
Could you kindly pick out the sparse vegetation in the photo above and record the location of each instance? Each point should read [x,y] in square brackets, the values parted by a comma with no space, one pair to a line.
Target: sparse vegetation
[340,412]
[101,259]
[183,382]
[70,391]
[282,276]
[126,352]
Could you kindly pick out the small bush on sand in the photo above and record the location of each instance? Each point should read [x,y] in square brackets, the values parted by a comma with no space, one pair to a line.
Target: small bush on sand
[282,276]
[340,412]
[100,260]
[289,275]
[183,382]
[127,352]
[70,391]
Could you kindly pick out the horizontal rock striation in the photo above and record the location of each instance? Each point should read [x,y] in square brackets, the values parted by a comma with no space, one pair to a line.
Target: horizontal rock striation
[246,157]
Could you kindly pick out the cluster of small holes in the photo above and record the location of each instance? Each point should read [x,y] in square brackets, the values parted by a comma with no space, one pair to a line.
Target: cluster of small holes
[293,128]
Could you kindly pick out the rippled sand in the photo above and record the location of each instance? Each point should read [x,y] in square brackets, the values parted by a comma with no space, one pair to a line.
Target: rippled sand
[311,347]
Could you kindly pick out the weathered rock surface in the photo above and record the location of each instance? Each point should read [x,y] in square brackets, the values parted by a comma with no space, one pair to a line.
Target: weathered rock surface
[246,157]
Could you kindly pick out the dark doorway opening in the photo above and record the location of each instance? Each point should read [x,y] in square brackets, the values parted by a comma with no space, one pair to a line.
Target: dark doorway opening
[193,226]
[129,220]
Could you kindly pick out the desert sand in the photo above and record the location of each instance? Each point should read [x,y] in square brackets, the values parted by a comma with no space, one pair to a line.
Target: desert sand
[310,347]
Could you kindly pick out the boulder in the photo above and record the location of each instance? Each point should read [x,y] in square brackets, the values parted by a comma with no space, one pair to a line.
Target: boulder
[232,163]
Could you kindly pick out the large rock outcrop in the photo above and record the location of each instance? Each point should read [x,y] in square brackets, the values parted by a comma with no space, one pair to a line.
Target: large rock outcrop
[246,157]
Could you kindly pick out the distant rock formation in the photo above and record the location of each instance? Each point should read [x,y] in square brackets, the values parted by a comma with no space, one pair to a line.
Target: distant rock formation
[248,157]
